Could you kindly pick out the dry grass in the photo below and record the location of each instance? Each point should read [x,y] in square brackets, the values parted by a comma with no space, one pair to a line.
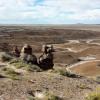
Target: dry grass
[21,64]
[93,96]
[43,96]
[10,73]
[5,57]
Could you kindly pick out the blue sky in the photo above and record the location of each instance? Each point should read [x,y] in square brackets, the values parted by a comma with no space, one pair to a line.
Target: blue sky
[49,11]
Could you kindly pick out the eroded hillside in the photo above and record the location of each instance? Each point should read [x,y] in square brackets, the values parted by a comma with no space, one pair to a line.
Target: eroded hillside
[76,70]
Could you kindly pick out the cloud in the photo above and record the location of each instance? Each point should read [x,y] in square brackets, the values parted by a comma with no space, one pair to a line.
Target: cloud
[49,11]
[89,14]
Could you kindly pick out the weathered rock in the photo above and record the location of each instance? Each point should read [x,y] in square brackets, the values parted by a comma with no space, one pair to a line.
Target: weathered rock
[47,48]
[27,56]
[27,49]
[46,61]
[16,51]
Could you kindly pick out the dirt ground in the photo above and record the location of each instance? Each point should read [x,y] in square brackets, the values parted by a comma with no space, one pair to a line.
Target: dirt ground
[70,43]
[64,87]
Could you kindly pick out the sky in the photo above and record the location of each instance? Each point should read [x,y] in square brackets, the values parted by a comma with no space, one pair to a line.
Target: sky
[49,11]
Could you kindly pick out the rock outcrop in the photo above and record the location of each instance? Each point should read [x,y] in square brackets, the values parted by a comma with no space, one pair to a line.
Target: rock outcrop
[46,59]
[27,55]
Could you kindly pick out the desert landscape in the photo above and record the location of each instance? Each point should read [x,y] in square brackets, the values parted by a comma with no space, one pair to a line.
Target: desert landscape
[76,70]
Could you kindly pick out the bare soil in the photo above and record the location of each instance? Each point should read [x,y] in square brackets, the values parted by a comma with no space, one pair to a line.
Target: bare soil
[70,43]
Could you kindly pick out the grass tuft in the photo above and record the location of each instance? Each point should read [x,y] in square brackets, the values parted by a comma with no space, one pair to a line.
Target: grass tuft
[64,72]
[29,67]
[50,96]
[94,95]
[43,96]
[83,86]
[11,73]
[5,57]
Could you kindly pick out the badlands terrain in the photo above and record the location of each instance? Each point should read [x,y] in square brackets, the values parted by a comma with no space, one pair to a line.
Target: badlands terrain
[77,50]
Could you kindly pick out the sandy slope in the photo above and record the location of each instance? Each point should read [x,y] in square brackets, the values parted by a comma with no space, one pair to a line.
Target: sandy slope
[64,87]
[70,43]
[87,68]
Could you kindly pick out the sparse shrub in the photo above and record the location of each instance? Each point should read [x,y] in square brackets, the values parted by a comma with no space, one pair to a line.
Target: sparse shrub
[50,96]
[43,96]
[18,63]
[98,79]
[83,86]
[93,96]
[33,68]
[11,73]
[21,64]
[14,61]
[30,98]
[65,73]
[5,57]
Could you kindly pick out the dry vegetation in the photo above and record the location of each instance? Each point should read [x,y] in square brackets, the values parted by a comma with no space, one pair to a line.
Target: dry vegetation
[71,79]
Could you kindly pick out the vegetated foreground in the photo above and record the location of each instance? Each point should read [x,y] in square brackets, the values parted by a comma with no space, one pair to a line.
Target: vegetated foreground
[77,63]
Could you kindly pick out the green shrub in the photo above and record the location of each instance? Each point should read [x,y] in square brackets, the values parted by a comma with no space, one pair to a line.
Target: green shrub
[5,57]
[11,73]
[33,68]
[50,96]
[64,72]
[21,64]
[45,96]
[30,98]
[14,61]
[98,79]
[17,63]
[93,96]
[83,86]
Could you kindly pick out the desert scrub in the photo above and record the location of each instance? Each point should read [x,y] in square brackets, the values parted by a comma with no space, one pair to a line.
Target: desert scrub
[18,63]
[38,95]
[50,96]
[83,86]
[4,57]
[65,72]
[93,96]
[98,79]
[21,64]
[10,73]
[33,68]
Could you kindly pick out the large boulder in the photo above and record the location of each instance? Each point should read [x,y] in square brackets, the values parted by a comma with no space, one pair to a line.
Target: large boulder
[16,51]
[47,48]
[28,58]
[27,49]
[46,61]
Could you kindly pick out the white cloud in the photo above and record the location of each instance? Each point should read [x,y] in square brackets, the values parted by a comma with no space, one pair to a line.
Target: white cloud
[50,9]
[89,14]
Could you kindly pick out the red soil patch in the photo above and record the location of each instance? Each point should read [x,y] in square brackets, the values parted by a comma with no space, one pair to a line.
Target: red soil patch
[87,69]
